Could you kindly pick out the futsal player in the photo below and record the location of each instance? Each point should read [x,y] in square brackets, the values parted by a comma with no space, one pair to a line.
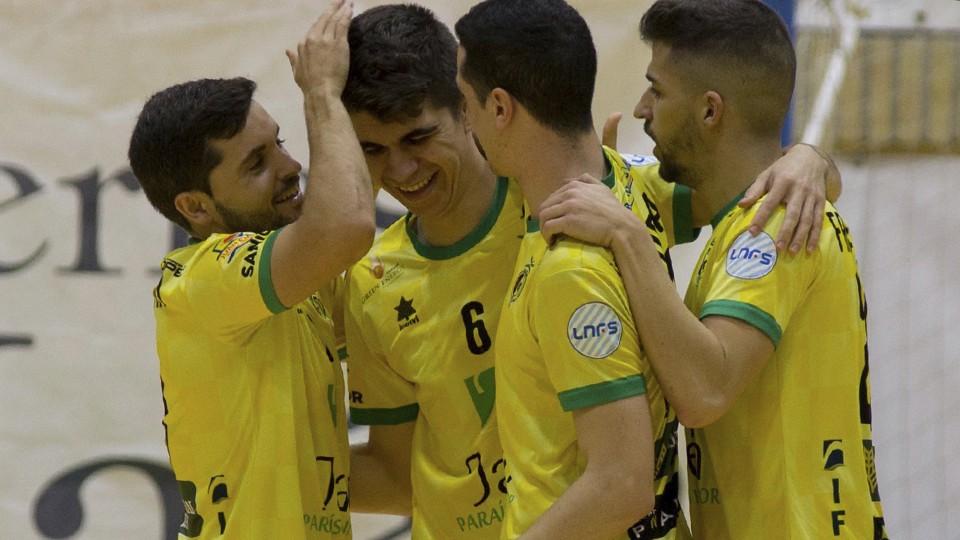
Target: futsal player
[255,426]
[767,361]
[422,308]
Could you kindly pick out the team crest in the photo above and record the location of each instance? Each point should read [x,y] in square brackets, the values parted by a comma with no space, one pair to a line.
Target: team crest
[751,257]
[594,330]
[521,280]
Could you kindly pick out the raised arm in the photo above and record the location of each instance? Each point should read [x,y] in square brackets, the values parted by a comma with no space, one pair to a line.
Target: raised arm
[337,224]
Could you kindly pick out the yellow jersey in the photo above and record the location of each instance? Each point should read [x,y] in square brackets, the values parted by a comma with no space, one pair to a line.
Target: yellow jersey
[568,304]
[793,457]
[420,325]
[253,397]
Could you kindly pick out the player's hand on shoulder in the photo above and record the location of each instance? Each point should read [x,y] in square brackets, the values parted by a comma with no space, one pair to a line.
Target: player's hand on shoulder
[585,209]
[798,181]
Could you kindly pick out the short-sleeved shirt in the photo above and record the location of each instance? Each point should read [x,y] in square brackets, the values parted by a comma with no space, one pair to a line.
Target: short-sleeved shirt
[793,457]
[420,325]
[567,341]
[253,396]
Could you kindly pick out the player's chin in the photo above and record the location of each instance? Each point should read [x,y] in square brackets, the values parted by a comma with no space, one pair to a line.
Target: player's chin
[289,212]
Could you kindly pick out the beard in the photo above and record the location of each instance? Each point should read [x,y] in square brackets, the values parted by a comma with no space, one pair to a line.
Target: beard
[670,170]
[267,220]
[685,143]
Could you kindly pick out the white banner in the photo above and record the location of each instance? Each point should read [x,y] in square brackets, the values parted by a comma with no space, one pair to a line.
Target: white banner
[81,443]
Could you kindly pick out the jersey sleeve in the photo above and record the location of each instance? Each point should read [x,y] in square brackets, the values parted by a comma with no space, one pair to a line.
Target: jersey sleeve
[332,296]
[581,318]
[378,394]
[230,286]
[668,204]
[755,283]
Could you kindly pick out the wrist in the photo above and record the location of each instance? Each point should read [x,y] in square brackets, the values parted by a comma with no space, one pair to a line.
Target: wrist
[321,101]
[629,234]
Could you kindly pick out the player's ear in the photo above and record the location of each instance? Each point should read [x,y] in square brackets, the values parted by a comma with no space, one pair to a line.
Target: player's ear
[712,108]
[196,207]
[504,107]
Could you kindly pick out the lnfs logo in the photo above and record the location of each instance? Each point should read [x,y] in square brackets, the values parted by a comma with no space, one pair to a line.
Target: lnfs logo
[751,257]
[594,330]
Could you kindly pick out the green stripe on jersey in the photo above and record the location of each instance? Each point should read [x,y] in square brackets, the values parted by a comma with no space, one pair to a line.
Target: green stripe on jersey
[269,294]
[603,392]
[752,315]
[471,239]
[683,230]
[390,417]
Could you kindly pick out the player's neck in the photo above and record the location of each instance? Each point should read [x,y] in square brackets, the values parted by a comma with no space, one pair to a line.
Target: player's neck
[552,161]
[471,201]
[727,178]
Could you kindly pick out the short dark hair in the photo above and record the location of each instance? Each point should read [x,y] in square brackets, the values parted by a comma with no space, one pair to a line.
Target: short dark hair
[169,149]
[540,51]
[742,42]
[401,58]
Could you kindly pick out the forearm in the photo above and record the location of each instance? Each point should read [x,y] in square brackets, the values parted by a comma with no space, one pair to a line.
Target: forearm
[686,356]
[375,486]
[616,488]
[336,224]
[338,200]
[604,506]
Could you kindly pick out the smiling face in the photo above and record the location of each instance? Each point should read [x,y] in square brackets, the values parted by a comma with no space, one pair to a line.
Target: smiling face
[669,111]
[256,186]
[427,163]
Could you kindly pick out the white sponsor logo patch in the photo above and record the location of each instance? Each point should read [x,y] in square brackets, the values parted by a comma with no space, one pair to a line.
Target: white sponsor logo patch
[594,330]
[751,257]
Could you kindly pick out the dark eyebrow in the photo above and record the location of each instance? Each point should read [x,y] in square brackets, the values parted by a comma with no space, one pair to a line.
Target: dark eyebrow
[252,157]
[420,132]
[255,154]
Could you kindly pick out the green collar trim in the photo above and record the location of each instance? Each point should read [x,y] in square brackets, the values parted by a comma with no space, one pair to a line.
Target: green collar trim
[471,239]
[533,225]
[610,180]
[726,209]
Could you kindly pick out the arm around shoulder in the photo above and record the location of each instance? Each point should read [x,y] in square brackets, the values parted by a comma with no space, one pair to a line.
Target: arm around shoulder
[702,366]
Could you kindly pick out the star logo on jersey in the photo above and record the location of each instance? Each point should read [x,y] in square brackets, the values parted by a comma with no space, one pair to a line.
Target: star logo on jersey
[405,311]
